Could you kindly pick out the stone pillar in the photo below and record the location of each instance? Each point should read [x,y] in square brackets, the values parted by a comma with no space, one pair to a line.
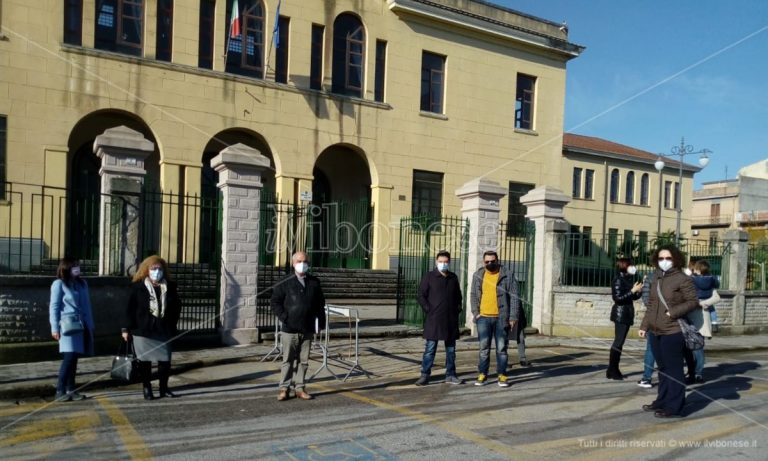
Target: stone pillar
[480,205]
[737,273]
[383,235]
[545,208]
[240,168]
[122,152]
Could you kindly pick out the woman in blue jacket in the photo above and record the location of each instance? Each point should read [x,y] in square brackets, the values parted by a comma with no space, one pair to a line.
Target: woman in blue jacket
[624,292]
[70,300]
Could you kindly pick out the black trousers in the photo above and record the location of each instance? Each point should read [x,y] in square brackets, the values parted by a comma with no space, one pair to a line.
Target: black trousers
[668,352]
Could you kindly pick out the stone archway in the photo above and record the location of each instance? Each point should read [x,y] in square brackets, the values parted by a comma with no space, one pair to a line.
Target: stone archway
[341,203]
[84,181]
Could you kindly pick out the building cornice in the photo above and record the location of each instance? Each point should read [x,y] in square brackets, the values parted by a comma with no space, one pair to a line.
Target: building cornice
[457,17]
[627,158]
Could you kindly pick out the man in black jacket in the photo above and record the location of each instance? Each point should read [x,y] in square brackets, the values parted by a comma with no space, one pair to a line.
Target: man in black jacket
[299,304]
[440,299]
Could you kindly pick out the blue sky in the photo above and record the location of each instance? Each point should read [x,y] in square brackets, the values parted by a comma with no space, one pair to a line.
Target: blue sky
[719,100]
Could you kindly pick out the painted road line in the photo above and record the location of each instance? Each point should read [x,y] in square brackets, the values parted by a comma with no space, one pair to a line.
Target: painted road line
[132,441]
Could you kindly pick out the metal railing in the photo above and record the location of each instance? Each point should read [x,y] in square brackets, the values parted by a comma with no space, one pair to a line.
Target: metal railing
[590,259]
[516,252]
[757,272]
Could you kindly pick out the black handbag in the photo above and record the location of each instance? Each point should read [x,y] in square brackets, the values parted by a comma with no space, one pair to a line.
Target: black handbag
[691,336]
[125,365]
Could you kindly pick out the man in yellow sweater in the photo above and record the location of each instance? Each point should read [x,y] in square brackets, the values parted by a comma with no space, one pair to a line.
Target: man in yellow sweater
[494,309]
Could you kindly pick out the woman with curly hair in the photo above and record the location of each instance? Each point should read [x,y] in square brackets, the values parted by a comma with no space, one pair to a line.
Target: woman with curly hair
[150,318]
[671,297]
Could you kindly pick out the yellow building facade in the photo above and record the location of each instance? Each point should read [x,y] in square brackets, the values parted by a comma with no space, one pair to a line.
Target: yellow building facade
[394,102]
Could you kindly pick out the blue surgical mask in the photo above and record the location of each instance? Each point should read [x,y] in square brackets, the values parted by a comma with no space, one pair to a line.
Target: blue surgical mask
[443,267]
[156,274]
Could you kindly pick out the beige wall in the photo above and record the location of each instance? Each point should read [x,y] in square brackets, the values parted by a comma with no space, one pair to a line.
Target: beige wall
[47,87]
[620,215]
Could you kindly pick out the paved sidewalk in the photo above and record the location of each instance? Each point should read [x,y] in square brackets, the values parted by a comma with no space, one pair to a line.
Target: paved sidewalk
[37,379]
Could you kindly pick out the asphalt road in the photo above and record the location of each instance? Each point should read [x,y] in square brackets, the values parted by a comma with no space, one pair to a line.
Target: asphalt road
[562,408]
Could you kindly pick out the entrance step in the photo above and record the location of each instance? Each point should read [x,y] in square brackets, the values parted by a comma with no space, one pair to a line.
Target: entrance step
[376,287]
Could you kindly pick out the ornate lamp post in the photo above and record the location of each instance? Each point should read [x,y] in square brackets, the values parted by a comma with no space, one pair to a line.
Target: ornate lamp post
[681,151]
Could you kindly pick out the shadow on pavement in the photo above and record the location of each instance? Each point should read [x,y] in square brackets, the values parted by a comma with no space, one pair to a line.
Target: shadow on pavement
[707,393]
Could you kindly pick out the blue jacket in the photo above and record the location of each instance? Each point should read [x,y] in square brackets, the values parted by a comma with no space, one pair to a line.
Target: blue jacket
[704,285]
[71,299]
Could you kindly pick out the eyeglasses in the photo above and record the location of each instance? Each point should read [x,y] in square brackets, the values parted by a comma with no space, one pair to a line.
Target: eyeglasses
[665,258]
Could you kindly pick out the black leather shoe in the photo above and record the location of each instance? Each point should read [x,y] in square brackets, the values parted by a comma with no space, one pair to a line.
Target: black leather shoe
[148,394]
[666,414]
[167,393]
[650,407]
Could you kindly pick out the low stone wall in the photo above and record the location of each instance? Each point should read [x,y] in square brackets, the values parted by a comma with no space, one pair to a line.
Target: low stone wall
[25,332]
[585,311]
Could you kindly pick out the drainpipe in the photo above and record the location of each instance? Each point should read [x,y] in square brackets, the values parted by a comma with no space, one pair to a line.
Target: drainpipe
[605,197]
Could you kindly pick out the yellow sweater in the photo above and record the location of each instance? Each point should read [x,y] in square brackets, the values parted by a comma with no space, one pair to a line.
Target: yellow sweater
[489,305]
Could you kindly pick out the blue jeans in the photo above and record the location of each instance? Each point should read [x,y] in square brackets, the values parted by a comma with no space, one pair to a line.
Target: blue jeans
[713,314]
[648,361]
[698,356]
[429,357]
[487,326]
[67,371]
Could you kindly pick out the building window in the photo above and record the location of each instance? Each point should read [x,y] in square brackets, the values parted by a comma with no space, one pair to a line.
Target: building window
[281,49]
[73,22]
[613,242]
[614,197]
[677,196]
[164,30]
[644,185]
[574,241]
[427,194]
[3,133]
[348,55]
[526,85]
[516,220]
[667,192]
[205,34]
[714,213]
[381,66]
[642,243]
[432,82]
[316,59]
[629,193]
[586,240]
[713,238]
[245,51]
[589,184]
[576,193]
[119,26]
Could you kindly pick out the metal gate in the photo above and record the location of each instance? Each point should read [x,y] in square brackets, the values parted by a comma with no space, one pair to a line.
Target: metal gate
[420,240]
[516,244]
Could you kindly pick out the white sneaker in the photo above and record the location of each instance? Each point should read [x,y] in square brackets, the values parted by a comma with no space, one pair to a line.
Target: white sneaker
[645,383]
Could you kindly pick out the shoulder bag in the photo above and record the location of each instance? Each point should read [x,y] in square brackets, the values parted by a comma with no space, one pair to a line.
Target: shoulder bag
[691,336]
[71,324]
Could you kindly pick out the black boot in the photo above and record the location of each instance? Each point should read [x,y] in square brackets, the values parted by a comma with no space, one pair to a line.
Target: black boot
[164,372]
[146,380]
[613,366]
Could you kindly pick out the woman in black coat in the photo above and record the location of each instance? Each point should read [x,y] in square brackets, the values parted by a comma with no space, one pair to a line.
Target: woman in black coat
[624,292]
[151,316]
[440,299]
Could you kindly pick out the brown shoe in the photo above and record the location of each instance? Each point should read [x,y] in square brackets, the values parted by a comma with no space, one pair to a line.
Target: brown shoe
[283,395]
[303,395]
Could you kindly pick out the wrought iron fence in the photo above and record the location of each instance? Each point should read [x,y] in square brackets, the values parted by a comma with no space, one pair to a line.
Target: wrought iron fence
[757,272]
[421,238]
[516,252]
[590,259]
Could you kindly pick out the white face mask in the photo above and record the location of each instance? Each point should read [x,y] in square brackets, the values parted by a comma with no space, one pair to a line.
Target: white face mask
[301,268]
[665,265]
[75,271]
[443,267]
[632,270]
[156,274]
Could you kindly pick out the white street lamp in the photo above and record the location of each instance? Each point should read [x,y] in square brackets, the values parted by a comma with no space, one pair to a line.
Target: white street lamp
[681,151]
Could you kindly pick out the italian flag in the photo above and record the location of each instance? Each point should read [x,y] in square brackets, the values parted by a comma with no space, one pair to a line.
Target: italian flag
[234,23]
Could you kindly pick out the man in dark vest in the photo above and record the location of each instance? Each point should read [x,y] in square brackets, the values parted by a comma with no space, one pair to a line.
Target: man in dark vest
[440,299]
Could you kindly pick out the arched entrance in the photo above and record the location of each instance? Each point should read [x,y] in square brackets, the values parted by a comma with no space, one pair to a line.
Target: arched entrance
[209,190]
[341,212]
[84,181]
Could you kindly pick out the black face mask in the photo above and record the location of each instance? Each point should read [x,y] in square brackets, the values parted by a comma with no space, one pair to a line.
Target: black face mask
[493,267]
